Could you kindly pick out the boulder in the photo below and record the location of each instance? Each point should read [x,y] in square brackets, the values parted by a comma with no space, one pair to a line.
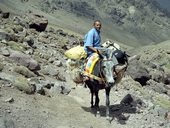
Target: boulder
[24,60]
[60,88]
[138,72]
[4,15]
[1,66]
[61,32]
[4,51]
[24,71]
[7,77]
[76,76]
[22,84]
[38,22]
[16,46]
[4,35]
[29,40]
[158,87]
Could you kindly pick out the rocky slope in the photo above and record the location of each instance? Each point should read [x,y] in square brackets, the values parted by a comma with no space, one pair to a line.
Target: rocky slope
[37,90]
[142,19]
[132,22]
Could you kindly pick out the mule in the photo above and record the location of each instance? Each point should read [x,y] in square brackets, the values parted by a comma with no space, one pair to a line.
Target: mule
[110,70]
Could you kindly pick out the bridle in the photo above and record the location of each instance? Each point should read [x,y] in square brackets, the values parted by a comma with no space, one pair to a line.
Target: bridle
[101,74]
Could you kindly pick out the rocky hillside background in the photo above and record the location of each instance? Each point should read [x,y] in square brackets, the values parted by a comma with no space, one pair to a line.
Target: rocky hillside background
[165,4]
[140,19]
[131,22]
[37,88]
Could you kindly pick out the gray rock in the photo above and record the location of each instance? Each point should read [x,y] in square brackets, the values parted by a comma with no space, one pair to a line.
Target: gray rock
[61,76]
[24,60]
[4,35]
[29,52]
[5,51]
[10,100]
[17,20]
[23,71]
[58,63]
[7,77]
[43,34]
[51,60]
[49,70]
[167,115]
[127,100]
[158,87]
[38,22]
[4,15]
[149,104]
[157,75]
[1,66]
[39,89]
[29,40]
[46,83]
[22,84]
[60,88]
[138,72]
[61,32]
[162,112]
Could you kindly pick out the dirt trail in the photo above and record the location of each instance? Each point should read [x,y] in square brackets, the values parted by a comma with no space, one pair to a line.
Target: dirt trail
[72,111]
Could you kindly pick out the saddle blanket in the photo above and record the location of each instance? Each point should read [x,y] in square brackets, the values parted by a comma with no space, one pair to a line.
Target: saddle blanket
[91,62]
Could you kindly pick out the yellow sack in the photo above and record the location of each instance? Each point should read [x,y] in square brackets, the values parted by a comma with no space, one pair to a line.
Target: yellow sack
[76,53]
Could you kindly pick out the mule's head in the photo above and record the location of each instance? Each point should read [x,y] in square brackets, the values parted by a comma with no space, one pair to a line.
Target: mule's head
[113,59]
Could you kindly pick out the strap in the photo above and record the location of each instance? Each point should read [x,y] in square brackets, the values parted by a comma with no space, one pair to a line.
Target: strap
[92,76]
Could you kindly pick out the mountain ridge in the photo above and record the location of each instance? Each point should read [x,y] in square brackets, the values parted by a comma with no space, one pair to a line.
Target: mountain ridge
[142,19]
[131,22]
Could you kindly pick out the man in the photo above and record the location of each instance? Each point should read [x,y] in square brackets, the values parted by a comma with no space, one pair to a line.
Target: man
[92,39]
[92,42]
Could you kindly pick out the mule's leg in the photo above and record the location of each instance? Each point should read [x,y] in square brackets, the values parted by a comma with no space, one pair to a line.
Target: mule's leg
[92,99]
[107,102]
[96,99]
[97,103]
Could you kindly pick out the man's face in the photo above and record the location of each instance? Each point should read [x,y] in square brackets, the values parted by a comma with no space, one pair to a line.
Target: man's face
[98,25]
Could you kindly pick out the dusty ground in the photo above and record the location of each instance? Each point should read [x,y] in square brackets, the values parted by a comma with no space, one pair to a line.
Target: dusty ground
[68,111]
[39,111]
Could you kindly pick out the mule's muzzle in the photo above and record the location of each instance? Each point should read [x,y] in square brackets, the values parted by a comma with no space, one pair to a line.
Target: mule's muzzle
[109,85]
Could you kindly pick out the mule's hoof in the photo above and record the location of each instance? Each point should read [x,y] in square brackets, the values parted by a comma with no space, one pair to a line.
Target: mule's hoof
[108,118]
[97,114]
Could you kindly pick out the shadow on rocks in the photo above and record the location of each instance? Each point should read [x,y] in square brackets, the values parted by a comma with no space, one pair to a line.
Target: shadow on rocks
[119,112]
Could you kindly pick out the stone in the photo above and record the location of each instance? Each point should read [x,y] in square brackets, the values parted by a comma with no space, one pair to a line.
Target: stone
[5,51]
[127,100]
[4,35]
[22,84]
[24,71]
[167,116]
[38,22]
[10,100]
[24,60]
[39,89]
[58,63]
[4,15]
